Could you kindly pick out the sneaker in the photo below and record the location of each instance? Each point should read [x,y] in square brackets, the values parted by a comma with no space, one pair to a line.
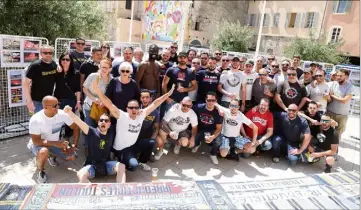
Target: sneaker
[328,169]
[151,159]
[158,155]
[214,159]
[52,161]
[195,149]
[276,159]
[42,177]
[176,149]
[145,167]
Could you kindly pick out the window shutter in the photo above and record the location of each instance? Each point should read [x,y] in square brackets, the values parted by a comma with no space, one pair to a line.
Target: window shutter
[334,6]
[247,20]
[287,20]
[315,20]
[304,20]
[348,5]
[267,19]
[257,18]
[297,20]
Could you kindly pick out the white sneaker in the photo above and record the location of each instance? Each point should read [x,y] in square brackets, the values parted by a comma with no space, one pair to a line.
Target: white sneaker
[145,167]
[176,149]
[214,159]
[158,155]
[52,161]
[42,177]
[195,149]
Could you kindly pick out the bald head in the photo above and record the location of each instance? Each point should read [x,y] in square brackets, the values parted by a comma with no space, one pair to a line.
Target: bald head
[49,100]
[263,71]
[187,99]
[293,107]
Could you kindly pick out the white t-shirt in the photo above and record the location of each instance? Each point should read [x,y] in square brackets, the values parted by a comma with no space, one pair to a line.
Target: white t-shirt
[48,127]
[249,80]
[127,130]
[102,86]
[232,124]
[317,93]
[179,121]
[231,82]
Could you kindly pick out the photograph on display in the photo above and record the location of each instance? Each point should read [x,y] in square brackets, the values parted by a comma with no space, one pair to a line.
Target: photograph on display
[9,57]
[116,50]
[87,48]
[15,89]
[32,45]
[11,44]
[30,57]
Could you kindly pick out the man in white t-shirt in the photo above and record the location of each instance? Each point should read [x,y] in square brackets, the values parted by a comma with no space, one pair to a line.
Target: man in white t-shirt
[175,124]
[249,78]
[231,84]
[44,128]
[126,147]
[231,138]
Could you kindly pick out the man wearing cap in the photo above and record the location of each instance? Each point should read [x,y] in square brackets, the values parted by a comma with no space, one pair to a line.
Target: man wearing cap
[231,84]
[306,78]
[249,77]
[184,79]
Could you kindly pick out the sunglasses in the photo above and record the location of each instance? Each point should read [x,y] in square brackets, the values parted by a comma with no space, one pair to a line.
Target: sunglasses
[285,64]
[271,59]
[133,107]
[47,53]
[80,43]
[174,47]
[211,100]
[104,120]
[186,106]
[53,105]
[325,121]
[196,63]
[275,66]
[318,75]
[291,74]
[291,110]
[233,106]
[218,53]
[106,47]
[262,75]
[125,71]
[225,60]
[65,59]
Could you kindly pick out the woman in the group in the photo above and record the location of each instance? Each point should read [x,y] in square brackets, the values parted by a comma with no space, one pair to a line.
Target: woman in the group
[106,51]
[67,86]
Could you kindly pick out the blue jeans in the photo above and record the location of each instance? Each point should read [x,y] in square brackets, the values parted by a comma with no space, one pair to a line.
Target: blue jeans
[38,106]
[89,121]
[279,144]
[71,103]
[110,165]
[128,156]
[215,144]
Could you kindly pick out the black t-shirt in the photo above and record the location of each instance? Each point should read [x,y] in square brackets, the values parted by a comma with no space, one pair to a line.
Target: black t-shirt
[315,129]
[162,72]
[292,129]
[88,67]
[67,85]
[207,81]
[178,77]
[174,58]
[115,69]
[120,94]
[331,138]
[43,76]
[299,72]
[99,145]
[292,93]
[78,58]
[207,120]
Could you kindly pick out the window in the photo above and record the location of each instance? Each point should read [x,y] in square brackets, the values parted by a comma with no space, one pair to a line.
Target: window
[265,20]
[128,4]
[309,19]
[335,34]
[108,6]
[292,20]
[342,6]
[197,26]
[252,20]
[276,19]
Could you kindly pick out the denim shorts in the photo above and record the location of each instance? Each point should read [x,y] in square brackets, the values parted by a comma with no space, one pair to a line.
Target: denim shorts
[56,151]
[239,142]
[110,165]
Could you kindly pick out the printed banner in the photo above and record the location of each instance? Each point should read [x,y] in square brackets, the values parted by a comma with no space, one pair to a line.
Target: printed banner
[13,197]
[15,88]
[162,20]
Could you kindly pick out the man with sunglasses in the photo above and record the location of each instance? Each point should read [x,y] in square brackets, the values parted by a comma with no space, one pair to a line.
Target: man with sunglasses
[175,126]
[204,61]
[275,72]
[207,80]
[173,52]
[78,54]
[263,88]
[209,126]
[218,56]
[296,62]
[40,79]
[270,59]
[249,78]
[294,137]
[99,146]
[126,147]
[285,65]
[224,64]
[44,128]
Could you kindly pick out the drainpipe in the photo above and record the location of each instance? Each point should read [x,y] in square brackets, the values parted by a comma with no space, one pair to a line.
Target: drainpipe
[323,18]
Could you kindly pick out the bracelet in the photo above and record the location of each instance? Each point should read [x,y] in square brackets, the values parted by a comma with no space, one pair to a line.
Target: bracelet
[78,101]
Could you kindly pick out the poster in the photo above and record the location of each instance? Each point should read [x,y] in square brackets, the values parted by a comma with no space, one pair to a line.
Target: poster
[87,48]
[162,20]
[15,88]
[19,52]
[116,50]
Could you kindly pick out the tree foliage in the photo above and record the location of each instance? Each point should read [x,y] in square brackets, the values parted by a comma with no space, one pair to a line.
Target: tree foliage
[232,36]
[316,49]
[52,19]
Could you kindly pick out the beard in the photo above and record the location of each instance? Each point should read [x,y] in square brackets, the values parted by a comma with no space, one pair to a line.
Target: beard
[182,63]
[341,82]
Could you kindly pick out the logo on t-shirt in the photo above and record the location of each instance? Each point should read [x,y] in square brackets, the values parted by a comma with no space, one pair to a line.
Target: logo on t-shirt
[249,81]
[180,120]
[206,119]
[102,144]
[231,122]
[181,76]
[291,93]
[210,79]
[149,118]
[259,120]
[134,128]
[233,80]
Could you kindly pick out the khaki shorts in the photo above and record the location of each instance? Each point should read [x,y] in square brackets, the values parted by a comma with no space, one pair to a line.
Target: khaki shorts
[340,119]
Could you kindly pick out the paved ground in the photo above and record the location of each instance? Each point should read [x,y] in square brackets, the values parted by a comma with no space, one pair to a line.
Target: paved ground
[17,165]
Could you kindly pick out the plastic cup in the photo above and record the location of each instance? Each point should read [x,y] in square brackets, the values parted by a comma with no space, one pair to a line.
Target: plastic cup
[154,173]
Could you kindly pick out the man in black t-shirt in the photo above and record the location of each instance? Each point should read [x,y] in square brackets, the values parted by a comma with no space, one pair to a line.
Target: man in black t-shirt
[209,126]
[90,66]
[100,141]
[40,79]
[296,61]
[78,54]
[325,144]
[207,80]
[173,52]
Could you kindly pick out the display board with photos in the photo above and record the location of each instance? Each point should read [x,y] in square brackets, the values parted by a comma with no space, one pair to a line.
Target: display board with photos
[87,48]
[19,52]
[15,88]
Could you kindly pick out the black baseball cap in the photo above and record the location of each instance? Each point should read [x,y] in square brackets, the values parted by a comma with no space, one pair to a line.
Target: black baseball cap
[184,54]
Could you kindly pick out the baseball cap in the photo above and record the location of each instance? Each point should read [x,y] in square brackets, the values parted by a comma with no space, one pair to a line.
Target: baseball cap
[235,58]
[184,54]
[308,70]
[250,62]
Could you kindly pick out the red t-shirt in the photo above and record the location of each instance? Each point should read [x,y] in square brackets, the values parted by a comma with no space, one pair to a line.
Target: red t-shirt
[262,121]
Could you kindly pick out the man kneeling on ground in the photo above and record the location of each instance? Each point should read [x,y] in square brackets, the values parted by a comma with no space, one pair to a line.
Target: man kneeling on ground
[97,163]
[45,143]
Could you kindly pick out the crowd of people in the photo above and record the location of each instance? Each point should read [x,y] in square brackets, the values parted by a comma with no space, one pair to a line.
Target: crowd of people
[131,109]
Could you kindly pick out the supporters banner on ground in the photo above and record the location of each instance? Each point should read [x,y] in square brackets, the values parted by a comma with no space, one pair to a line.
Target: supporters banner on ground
[162,20]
